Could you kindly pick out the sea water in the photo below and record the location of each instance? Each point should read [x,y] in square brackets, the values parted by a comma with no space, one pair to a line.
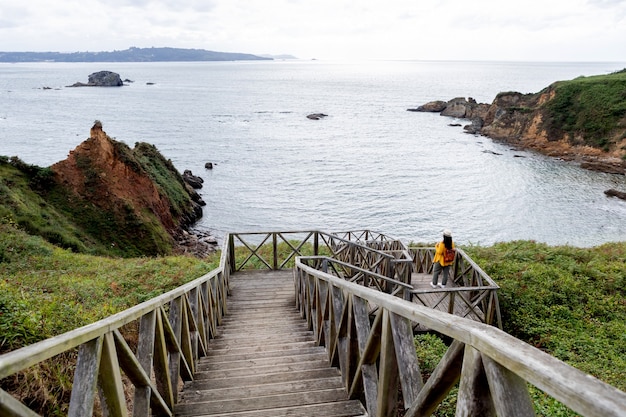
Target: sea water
[370,164]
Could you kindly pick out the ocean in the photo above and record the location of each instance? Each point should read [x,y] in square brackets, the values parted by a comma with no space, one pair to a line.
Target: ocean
[370,164]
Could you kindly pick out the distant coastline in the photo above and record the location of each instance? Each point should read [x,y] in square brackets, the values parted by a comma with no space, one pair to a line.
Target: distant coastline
[131,55]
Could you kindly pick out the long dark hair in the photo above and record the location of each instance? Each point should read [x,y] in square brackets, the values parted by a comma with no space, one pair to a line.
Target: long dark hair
[447,241]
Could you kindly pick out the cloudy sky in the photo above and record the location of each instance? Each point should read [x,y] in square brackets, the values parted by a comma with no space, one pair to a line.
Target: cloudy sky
[540,30]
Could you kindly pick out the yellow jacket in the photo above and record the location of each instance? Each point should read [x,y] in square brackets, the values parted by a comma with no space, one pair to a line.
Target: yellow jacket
[440,248]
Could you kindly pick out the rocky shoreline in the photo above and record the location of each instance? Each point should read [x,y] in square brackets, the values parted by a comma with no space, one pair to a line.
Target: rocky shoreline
[517,119]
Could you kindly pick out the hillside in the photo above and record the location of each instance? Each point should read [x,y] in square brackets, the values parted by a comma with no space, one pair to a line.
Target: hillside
[130,55]
[105,198]
[583,119]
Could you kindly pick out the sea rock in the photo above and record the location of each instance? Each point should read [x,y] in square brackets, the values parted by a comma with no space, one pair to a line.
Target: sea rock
[614,193]
[316,116]
[611,167]
[208,165]
[432,106]
[101,79]
[475,126]
[193,180]
[457,107]
[523,121]
[197,243]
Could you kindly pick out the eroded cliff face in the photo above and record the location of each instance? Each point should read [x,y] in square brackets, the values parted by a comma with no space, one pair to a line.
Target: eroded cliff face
[109,177]
[96,172]
[521,120]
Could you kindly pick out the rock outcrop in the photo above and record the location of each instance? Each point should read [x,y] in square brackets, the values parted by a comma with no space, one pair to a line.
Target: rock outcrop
[521,120]
[101,79]
[133,198]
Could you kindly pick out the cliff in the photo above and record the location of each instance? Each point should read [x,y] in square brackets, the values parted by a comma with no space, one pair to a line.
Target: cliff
[105,198]
[582,120]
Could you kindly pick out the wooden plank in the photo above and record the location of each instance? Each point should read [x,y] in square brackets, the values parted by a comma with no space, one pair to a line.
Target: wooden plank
[141,380]
[10,407]
[85,378]
[247,391]
[266,372]
[387,396]
[408,365]
[474,397]
[263,402]
[145,352]
[366,376]
[336,409]
[161,370]
[173,328]
[110,380]
[509,392]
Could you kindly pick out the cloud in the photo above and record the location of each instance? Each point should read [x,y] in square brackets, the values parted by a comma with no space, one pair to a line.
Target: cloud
[326,29]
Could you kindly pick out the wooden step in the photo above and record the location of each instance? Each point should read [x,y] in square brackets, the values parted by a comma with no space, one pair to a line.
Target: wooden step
[264,361]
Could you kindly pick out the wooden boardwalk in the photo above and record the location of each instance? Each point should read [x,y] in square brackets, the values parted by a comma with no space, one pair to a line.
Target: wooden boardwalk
[264,362]
[439,298]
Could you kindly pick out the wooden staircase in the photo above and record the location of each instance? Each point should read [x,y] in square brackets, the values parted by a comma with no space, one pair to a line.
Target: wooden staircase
[264,362]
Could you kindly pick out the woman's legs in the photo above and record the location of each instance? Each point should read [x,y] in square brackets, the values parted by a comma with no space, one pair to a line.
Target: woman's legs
[446,273]
[436,271]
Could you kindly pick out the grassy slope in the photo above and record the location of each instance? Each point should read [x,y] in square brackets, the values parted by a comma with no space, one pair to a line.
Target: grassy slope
[568,301]
[593,108]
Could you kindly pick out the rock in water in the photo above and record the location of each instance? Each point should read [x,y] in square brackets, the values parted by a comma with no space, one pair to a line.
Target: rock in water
[102,79]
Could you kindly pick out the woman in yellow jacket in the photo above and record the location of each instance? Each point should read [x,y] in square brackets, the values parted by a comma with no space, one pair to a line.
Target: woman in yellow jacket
[441,261]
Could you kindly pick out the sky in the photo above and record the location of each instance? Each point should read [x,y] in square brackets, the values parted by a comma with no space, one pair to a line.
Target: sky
[522,30]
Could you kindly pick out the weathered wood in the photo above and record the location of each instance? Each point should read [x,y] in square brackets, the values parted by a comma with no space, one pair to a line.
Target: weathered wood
[509,392]
[110,380]
[444,377]
[578,391]
[161,369]
[141,380]
[145,352]
[408,365]
[85,378]
[388,371]
[174,331]
[254,366]
[366,377]
[474,398]
[10,407]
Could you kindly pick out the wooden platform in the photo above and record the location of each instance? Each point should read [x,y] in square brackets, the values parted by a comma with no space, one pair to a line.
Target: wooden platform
[439,298]
[265,363]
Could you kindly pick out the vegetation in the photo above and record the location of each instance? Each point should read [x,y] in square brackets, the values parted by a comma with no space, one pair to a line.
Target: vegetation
[593,108]
[569,302]
[46,291]
[31,198]
[22,204]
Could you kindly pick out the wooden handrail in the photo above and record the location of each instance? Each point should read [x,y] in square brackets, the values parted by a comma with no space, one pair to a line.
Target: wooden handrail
[386,360]
[174,331]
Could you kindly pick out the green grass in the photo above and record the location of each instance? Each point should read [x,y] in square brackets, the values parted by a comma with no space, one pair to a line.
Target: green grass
[46,290]
[31,198]
[567,301]
[591,107]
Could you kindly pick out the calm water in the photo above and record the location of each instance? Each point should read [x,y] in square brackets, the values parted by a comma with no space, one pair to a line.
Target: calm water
[369,164]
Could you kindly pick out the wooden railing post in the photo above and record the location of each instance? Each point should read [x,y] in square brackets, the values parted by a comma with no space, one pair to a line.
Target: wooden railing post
[145,352]
[175,319]
[231,252]
[274,251]
[85,378]
[110,380]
